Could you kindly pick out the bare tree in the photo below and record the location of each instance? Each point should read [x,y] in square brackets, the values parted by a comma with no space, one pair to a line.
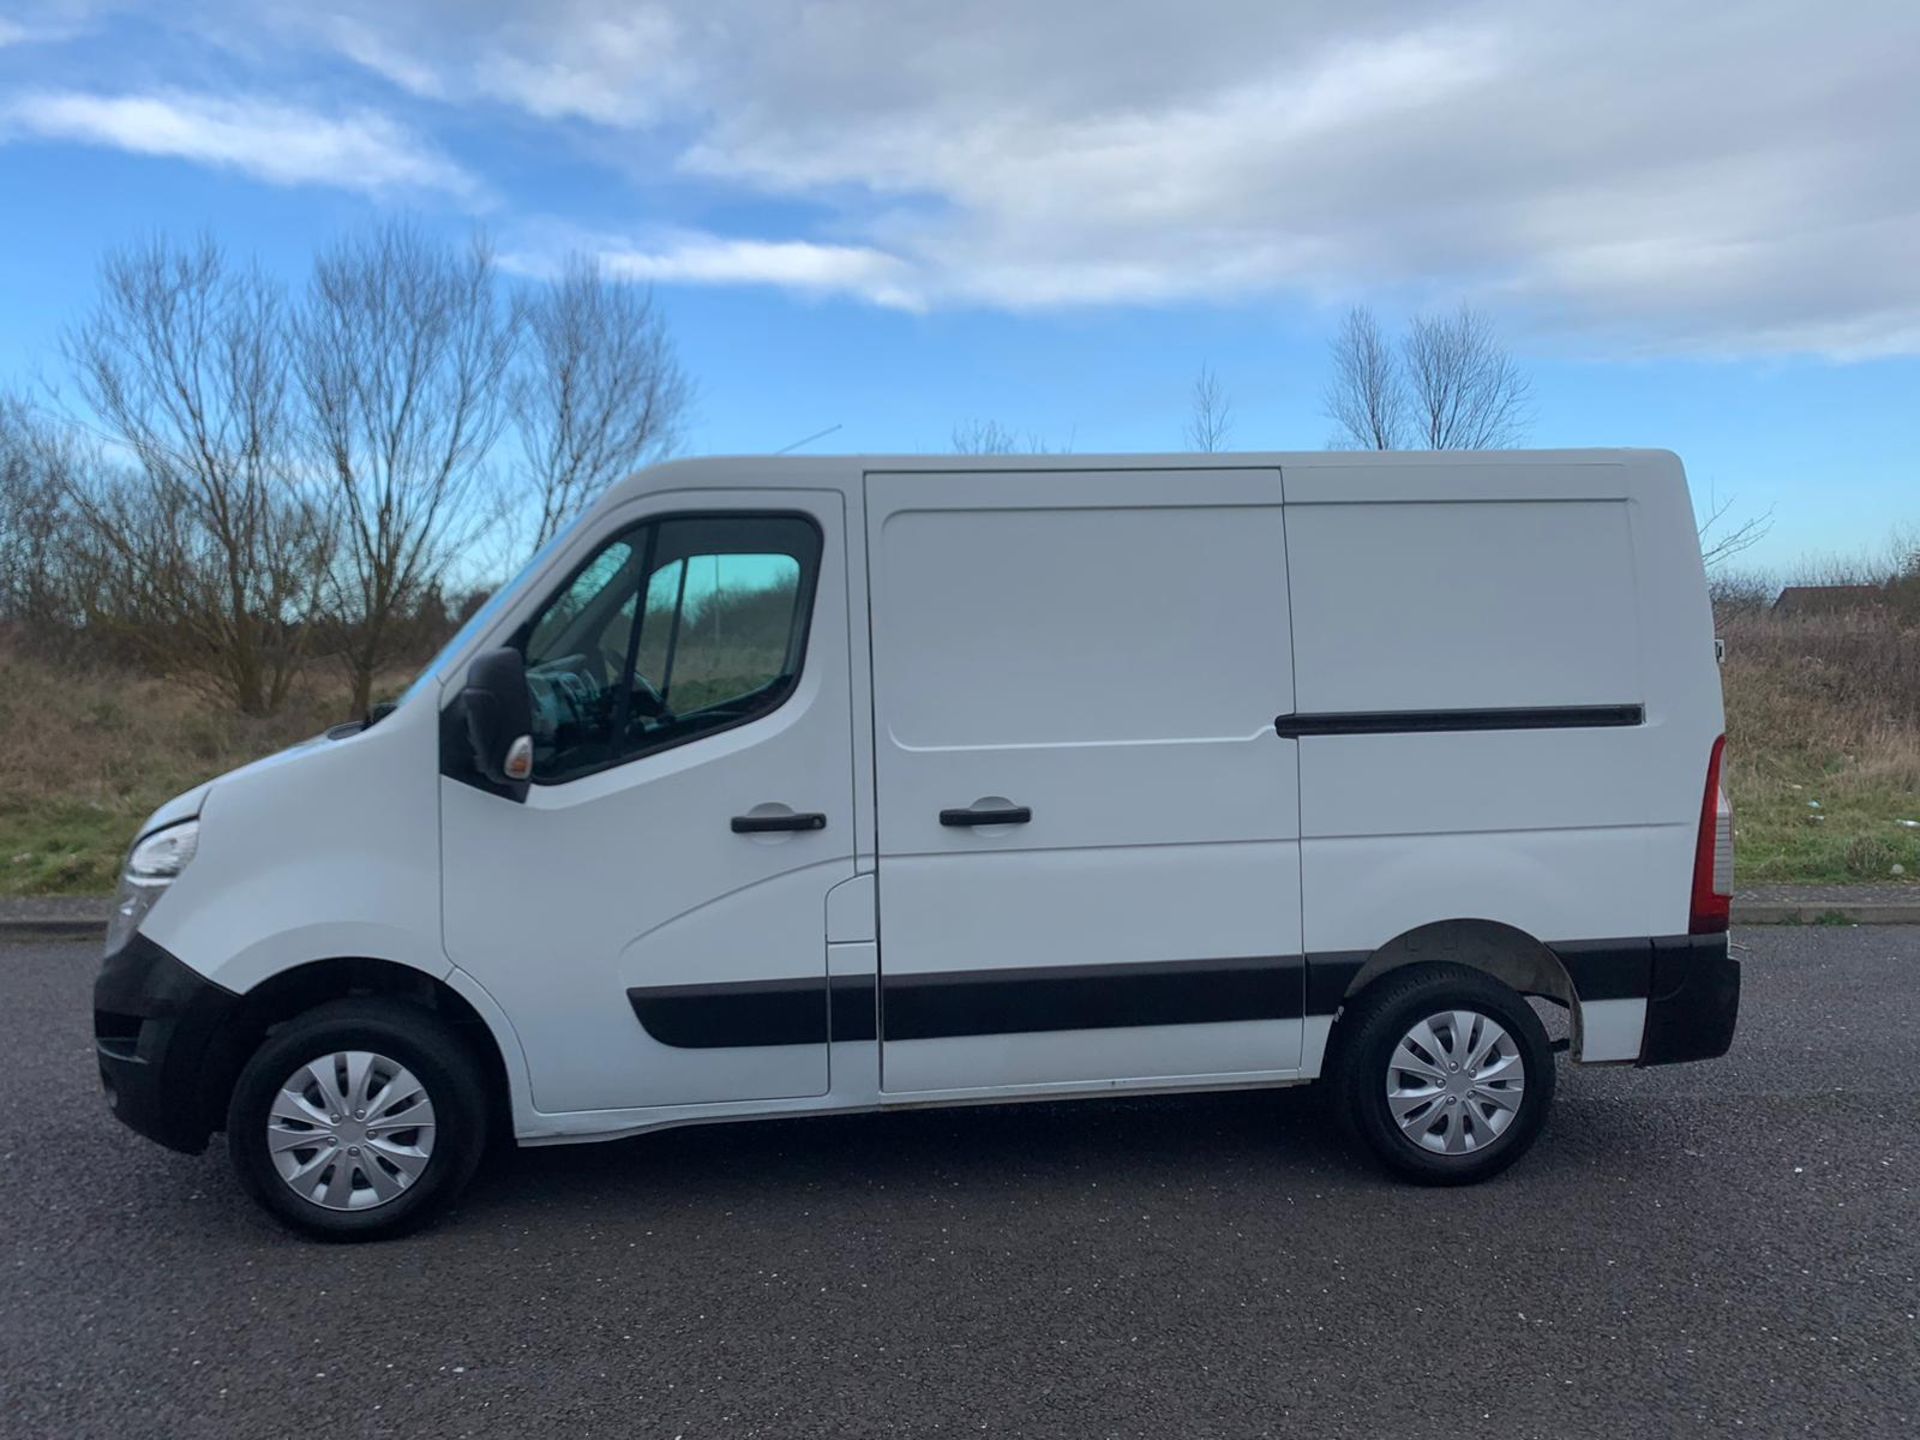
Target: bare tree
[1366,398]
[1211,421]
[1723,536]
[403,354]
[1465,390]
[600,393]
[209,553]
[1450,386]
[39,461]
[1903,552]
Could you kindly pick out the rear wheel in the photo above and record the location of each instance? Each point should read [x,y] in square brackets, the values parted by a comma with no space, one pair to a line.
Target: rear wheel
[358,1120]
[1445,1074]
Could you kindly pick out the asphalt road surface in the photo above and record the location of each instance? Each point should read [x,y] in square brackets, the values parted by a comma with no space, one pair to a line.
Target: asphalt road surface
[1720,1249]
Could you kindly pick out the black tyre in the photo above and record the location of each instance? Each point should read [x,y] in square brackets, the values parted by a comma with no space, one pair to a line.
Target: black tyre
[1445,1074]
[358,1120]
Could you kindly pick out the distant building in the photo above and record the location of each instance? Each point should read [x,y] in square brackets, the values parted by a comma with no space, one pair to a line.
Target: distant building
[1829,599]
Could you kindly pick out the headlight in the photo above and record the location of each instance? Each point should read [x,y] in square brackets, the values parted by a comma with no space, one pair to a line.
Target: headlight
[163,854]
[152,865]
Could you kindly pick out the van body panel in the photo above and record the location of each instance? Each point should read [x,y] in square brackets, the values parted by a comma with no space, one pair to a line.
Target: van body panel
[325,850]
[1456,604]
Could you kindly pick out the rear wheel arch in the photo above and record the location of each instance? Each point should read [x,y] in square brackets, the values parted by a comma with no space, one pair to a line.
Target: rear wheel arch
[1494,948]
[1497,950]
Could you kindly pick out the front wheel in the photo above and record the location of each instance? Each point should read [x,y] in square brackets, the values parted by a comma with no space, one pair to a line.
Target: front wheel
[1443,1073]
[358,1120]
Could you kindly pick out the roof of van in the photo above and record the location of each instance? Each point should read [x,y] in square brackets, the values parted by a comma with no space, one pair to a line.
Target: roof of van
[833,471]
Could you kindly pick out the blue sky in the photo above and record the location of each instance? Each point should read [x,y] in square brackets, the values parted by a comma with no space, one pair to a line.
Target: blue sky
[1701,233]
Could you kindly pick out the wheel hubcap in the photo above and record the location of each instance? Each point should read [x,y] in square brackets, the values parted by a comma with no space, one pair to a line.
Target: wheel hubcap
[1455,1082]
[351,1130]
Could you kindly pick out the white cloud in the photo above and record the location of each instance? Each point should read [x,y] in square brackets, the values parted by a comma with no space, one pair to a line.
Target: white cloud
[702,259]
[50,22]
[615,68]
[262,138]
[1732,178]
[612,64]
[1724,190]
[364,46]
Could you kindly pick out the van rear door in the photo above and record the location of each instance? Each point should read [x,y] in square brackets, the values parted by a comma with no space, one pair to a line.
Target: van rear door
[1088,829]
[1478,740]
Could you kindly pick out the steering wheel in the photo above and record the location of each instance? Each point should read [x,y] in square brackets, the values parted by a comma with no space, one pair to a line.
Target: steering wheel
[645,701]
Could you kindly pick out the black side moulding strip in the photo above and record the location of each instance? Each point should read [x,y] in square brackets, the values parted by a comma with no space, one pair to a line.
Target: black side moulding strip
[1428,722]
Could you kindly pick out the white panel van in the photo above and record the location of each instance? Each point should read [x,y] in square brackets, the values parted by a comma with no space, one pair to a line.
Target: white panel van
[784,786]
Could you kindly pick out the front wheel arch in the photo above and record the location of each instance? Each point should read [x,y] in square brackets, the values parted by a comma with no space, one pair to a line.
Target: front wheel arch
[291,993]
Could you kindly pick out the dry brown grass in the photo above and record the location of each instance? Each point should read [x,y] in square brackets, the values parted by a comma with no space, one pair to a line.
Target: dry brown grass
[91,750]
[1823,743]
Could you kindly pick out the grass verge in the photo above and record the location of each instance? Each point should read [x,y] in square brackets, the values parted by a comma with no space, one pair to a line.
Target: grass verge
[92,751]
[1823,749]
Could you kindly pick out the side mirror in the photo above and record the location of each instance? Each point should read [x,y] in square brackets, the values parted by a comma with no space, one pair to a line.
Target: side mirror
[499,712]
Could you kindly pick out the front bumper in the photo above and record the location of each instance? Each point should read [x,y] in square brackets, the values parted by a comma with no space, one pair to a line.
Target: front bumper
[157,1028]
[1693,1000]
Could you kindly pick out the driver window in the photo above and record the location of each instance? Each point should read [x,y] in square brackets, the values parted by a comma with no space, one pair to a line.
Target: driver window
[723,612]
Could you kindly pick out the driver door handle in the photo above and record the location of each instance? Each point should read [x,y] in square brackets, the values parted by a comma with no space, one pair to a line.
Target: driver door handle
[762,824]
[1004,815]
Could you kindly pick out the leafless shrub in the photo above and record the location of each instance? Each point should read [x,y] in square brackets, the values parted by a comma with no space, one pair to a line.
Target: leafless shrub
[1740,592]
[990,437]
[207,554]
[983,437]
[600,391]
[402,354]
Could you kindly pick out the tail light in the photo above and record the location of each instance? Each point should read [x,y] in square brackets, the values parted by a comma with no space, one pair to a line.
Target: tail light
[1713,852]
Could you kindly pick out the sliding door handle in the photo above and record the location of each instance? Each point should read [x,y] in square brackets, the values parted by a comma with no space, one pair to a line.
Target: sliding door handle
[763,824]
[998,815]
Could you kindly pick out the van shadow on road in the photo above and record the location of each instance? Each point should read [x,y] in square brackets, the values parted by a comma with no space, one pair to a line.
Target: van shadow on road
[1271,1143]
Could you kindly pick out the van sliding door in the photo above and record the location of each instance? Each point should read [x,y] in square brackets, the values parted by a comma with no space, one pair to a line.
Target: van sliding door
[1088,828]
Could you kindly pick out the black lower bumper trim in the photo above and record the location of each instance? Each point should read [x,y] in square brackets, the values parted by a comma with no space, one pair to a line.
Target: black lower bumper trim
[949,1004]
[155,1023]
[1694,1000]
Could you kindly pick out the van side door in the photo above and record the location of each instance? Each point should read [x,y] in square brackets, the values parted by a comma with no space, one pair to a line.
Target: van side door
[651,916]
[1088,828]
